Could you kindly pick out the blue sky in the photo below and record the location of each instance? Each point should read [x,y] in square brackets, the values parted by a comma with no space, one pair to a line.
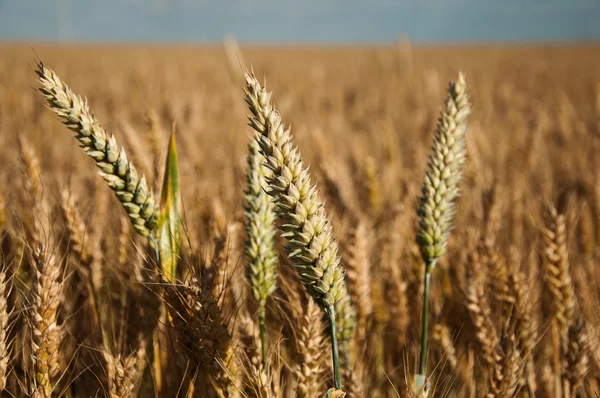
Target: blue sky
[272,21]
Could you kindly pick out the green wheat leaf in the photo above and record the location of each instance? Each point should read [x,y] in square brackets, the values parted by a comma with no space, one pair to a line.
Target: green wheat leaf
[169,222]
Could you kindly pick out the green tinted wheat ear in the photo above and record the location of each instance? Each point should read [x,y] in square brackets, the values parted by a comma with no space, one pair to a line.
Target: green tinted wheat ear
[260,231]
[120,174]
[312,248]
[445,169]
[440,189]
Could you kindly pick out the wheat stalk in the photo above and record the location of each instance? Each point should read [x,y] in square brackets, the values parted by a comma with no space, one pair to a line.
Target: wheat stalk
[439,191]
[311,245]
[346,325]
[120,174]
[263,380]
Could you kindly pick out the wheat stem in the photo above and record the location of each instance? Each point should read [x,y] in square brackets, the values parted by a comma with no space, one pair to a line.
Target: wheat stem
[334,348]
[425,324]
[439,191]
[311,245]
[263,337]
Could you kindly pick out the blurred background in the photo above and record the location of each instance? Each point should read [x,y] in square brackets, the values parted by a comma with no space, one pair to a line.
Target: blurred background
[315,21]
[362,84]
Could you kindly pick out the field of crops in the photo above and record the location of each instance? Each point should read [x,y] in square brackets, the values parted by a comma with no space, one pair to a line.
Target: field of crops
[103,292]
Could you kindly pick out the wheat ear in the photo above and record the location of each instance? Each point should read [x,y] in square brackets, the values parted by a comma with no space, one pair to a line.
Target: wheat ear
[445,169]
[5,343]
[30,167]
[311,245]
[124,374]
[260,241]
[47,333]
[558,274]
[358,274]
[441,334]
[439,191]
[200,328]
[120,174]
[2,214]
[485,331]
[506,372]
[578,356]
[310,344]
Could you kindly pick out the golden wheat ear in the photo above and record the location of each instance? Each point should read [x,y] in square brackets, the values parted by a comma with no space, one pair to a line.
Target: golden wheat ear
[5,339]
[47,333]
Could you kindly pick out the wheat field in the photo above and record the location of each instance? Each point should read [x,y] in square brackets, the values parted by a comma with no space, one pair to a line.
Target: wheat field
[276,242]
